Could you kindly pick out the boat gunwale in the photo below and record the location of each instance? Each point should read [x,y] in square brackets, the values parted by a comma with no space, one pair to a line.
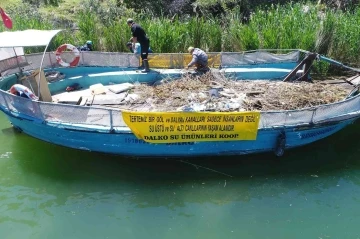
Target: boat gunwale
[126,129]
[267,111]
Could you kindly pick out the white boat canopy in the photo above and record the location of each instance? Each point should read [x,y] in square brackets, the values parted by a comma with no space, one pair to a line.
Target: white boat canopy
[6,53]
[27,38]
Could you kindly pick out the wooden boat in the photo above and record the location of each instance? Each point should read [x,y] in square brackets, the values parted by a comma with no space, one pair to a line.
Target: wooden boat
[77,121]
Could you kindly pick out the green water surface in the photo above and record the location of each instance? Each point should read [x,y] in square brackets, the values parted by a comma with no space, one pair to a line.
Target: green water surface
[48,191]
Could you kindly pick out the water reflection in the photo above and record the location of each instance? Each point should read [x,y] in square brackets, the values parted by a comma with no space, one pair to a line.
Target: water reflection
[63,175]
[45,188]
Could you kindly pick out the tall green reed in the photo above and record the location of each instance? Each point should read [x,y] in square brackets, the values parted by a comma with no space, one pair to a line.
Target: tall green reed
[88,27]
[115,36]
[286,27]
[238,36]
[176,35]
[346,39]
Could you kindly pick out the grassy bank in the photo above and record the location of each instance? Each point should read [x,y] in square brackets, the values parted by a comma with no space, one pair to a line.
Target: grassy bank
[309,27]
[6,3]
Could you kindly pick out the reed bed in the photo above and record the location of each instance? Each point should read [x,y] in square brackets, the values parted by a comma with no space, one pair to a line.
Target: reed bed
[291,26]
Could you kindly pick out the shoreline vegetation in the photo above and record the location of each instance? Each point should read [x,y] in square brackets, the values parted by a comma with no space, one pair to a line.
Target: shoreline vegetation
[310,26]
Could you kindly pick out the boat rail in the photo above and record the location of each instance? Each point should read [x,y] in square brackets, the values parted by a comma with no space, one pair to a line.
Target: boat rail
[159,60]
[110,119]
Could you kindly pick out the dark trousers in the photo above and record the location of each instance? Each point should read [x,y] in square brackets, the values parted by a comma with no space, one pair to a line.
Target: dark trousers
[145,49]
[202,68]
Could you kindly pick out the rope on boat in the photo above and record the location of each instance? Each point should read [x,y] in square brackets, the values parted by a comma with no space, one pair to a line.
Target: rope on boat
[338,63]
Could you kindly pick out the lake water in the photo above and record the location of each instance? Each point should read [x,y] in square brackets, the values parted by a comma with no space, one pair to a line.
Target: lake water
[48,191]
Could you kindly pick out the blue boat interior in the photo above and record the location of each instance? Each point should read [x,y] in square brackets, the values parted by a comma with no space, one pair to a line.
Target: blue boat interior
[86,76]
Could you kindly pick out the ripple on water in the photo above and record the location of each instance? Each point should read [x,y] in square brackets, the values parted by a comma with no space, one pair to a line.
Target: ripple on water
[5,155]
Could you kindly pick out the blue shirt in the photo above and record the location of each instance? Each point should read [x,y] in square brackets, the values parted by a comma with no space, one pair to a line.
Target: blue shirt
[137,49]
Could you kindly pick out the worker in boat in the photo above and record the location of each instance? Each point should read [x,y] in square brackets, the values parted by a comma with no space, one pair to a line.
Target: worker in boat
[87,47]
[199,60]
[139,36]
[22,91]
[136,49]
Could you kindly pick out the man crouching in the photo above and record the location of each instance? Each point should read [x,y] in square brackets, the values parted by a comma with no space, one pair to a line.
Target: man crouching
[199,60]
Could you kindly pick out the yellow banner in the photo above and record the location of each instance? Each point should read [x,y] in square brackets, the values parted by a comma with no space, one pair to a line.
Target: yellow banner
[177,60]
[172,127]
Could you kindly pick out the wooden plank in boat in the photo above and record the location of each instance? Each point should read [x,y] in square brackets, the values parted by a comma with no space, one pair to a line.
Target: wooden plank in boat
[78,93]
[114,99]
[351,81]
[356,80]
[37,78]
[340,82]
[83,101]
[118,88]
[70,99]
[332,81]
